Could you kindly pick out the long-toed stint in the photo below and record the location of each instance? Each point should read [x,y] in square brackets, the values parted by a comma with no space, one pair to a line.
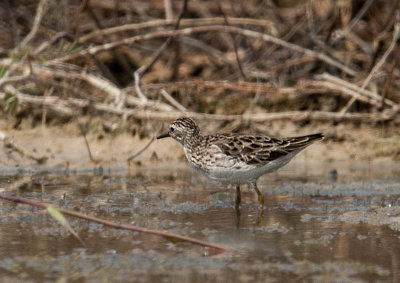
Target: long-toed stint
[236,158]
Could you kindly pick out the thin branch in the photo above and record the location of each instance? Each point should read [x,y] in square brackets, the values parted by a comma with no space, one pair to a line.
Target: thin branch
[215,28]
[233,41]
[106,86]
[118,95]
[377,66]
[360,14]
[35,27]
[255,117]
[167,235]
[55,103]
[48,43]
[388,81]
[9,142]
[241,86]
[142,70]
[184,22]
[47,92]
[168,10]
[349,92]
[136,77]
[140,151]
[79,16]
[362,93]
[7,79]
[119,56]
[245,88]
[392,45]
[91,157]
[63,106]
[219,55]
[269,117]
[173,101]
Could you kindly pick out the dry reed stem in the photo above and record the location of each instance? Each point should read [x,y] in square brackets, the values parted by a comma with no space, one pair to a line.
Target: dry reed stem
[72,106]
[35,27]
[362,93]
[295,116]
[348,92]
[42,47]
[133,156]
[184,23]
[386,86]
[156,55]
[138,90]
[172,100]
[215,28]
[226,22]
[47,76]
[245,87]
[59,105]
[117,95]
[393,43]
[168,9]
[167,235]
[54,103]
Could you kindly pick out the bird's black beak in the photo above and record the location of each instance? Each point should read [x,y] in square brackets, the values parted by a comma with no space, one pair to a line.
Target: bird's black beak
[166,135]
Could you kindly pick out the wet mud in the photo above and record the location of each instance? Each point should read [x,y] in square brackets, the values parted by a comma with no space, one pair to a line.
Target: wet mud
[314,227]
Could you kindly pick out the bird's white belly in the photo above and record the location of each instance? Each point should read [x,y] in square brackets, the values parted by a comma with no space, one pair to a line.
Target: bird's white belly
[245,173]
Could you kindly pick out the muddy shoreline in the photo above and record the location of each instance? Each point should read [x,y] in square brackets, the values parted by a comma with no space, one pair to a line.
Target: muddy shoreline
[66,150]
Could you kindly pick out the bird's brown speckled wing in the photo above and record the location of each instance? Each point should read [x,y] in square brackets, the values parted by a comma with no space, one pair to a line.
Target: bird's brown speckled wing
[259,150]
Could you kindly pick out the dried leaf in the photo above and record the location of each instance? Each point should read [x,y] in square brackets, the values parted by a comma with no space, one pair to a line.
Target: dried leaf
[56,214]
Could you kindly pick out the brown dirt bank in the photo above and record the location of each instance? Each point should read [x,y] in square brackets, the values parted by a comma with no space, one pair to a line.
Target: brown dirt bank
[65,147]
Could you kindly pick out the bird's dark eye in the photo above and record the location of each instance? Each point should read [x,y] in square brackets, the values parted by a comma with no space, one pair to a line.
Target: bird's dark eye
[172,129]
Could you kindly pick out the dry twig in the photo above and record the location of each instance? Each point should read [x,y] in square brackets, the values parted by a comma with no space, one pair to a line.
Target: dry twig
[184,23]
[360,93]
[220,249]
[35,26]
[133,156]
[396,34]
[295,116]
[173,101]
[226,22]
[215,28]
[9,142]
[143,69]
[55,102]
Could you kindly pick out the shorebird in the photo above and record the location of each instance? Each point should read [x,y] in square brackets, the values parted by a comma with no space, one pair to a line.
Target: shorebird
[236,158]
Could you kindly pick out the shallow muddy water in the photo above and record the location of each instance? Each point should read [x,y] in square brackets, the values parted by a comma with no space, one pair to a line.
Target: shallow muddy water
[313,227]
